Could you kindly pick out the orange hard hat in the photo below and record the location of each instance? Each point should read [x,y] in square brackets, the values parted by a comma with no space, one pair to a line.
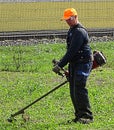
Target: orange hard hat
[68,13]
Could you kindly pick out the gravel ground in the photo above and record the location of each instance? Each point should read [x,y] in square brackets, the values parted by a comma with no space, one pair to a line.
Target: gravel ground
[48,41]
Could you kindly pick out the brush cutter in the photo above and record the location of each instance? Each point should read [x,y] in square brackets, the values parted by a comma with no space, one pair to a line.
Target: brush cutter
[99,60]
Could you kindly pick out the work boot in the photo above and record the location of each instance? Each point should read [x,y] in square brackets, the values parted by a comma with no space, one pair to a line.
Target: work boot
[85,120]
[82,120]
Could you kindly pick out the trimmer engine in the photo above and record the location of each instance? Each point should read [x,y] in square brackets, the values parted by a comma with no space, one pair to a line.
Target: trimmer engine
[99,59]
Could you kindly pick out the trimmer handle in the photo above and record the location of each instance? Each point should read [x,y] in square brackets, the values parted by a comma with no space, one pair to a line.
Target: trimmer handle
[66,73]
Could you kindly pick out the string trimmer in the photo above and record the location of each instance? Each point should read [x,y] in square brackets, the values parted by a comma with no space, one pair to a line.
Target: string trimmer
[99,60]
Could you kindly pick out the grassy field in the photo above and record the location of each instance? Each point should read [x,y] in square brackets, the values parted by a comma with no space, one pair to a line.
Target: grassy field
[26,74]
[46,15]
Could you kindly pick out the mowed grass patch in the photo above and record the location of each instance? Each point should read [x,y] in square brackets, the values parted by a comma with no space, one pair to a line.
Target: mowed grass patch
[47,15]
[20,87]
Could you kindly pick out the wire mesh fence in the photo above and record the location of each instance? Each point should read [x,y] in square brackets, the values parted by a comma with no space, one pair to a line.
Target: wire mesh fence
[19,15]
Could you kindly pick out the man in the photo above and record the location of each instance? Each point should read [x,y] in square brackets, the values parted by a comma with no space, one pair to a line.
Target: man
[79,58]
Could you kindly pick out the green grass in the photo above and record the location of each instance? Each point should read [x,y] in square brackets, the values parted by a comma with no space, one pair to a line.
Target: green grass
[46,15]
[21,85]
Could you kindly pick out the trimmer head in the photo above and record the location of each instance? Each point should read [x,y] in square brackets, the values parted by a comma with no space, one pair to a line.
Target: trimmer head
[24,117]
[11,119]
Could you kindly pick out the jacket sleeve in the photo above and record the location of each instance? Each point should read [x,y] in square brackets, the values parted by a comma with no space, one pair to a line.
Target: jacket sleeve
[76,42]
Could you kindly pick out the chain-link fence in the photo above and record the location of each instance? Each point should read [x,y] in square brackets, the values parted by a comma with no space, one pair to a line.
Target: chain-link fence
[18,15]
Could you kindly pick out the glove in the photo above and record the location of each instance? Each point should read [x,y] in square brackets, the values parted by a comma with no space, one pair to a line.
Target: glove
[56,69]
[55,62]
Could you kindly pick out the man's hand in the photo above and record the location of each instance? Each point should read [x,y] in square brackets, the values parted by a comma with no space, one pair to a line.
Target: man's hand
[56,69]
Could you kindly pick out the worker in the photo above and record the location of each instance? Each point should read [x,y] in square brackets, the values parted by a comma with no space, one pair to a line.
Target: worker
[79,58]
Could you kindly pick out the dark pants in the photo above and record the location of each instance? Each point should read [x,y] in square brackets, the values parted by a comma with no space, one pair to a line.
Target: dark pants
[79,73]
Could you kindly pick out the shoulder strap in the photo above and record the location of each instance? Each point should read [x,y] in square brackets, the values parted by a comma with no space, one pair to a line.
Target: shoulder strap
[80,26]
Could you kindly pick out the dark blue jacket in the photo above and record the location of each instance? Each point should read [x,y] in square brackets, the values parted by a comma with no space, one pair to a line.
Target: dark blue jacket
[78,49]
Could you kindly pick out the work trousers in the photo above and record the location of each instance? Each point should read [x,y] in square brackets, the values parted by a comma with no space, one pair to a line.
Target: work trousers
[78,74]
